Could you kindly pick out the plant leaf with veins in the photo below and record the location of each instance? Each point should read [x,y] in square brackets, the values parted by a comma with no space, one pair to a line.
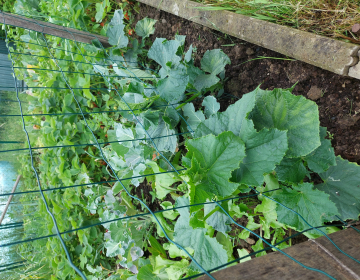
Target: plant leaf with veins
[264,150]
[193,118]
[233,119]
[211,106]
[208,252]
[323,157]
[115,32]
[212,160]
[313,205]
[299,116]
[145,27]
[342,183]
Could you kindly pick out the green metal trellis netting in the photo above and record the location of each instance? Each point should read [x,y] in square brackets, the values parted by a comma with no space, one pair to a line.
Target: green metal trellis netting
[12,232]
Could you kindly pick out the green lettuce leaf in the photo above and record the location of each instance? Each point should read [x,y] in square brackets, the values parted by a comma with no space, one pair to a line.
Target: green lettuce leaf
[162,181]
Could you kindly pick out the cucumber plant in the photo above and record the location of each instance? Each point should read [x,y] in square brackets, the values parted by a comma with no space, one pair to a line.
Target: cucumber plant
[268,143]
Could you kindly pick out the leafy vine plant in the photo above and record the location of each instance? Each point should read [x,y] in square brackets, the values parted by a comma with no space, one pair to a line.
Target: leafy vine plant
[268,143]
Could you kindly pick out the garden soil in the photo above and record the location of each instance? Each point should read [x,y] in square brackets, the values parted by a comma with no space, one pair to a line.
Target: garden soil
[338,97]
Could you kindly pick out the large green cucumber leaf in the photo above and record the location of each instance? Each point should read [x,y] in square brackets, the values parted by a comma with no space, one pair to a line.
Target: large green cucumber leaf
[193,118]
[323,157]
[218,220]
[204,81]
[208,252]
[212,160]
[291,170]
[233,119]
[299,116]
[211,105]
[125,136]
[213,125]
[172,87]
[264,150]
[116,32]
[214,61]
[313,205]
[342,183]
[162,181]
[146,273]
[163,51]
[145,27]
[164,142]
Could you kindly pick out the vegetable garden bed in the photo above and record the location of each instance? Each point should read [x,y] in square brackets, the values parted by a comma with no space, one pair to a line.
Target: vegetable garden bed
[127,139]
[338,97]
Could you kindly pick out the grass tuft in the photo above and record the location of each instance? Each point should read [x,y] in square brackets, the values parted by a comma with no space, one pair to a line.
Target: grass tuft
[323,17]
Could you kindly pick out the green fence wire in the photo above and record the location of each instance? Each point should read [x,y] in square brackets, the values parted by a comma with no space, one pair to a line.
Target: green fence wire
[100,145]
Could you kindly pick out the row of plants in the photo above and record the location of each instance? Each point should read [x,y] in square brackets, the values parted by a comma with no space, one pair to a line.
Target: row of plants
[268,141]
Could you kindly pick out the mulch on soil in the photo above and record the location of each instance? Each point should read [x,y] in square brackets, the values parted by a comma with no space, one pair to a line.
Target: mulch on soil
[338,97]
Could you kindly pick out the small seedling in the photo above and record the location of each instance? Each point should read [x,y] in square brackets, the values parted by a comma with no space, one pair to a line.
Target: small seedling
[330,135]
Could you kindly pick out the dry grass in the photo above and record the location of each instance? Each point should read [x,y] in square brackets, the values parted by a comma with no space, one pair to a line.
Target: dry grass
[324,17]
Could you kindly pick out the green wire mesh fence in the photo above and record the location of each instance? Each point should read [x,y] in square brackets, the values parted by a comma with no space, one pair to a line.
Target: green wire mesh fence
[46,57]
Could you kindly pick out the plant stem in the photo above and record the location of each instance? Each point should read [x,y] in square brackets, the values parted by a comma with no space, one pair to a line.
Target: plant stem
[187,101]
